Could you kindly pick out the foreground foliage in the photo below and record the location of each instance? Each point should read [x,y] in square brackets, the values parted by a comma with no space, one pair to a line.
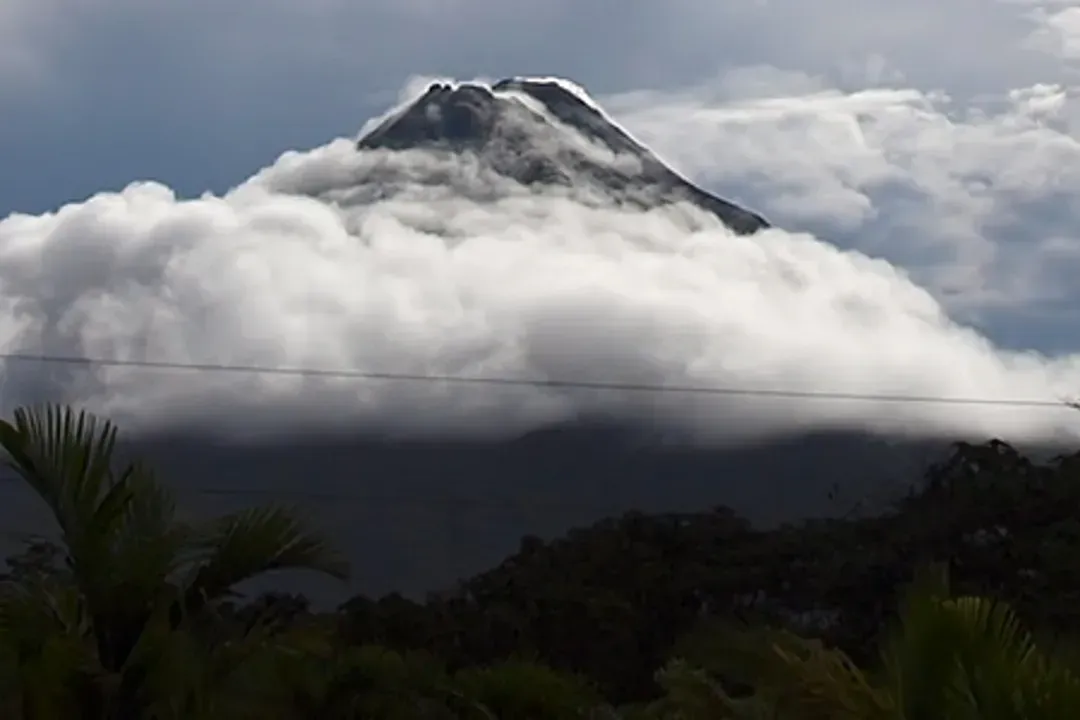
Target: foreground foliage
[124,626]
[131,614]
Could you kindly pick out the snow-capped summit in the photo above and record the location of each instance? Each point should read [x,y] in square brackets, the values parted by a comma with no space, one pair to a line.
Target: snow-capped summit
[545,131]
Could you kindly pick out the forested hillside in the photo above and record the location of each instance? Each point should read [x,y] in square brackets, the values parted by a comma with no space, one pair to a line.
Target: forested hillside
[670,616]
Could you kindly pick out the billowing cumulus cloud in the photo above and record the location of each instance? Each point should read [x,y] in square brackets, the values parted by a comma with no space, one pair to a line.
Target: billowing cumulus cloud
[309,265]
[977,200]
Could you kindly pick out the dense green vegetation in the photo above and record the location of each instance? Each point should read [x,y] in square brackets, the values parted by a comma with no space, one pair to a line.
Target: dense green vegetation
[917,613]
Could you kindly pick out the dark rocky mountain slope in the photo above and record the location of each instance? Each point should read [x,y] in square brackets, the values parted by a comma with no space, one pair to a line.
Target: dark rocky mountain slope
[539,132]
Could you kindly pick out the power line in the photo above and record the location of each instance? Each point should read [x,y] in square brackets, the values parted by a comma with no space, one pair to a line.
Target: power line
[533,382]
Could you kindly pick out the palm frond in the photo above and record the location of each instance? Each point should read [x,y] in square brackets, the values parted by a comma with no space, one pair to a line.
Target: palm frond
[47,656]
[245,544]
[1000,671]
[970,657]
[149,546]
[919,656]
[65,456]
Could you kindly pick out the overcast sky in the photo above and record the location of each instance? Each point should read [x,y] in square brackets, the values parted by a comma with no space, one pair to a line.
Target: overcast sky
[939,136]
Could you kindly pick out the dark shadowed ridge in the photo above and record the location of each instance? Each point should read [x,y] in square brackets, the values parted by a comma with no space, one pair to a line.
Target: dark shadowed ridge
[415,516]
[504,132]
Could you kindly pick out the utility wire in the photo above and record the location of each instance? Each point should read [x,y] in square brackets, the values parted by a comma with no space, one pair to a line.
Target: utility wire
[535,382]
[463,501]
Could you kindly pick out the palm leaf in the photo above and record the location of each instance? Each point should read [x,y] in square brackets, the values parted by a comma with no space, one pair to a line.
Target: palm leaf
[105,634]
[970,657]
[47,659]
[66,458]
[246,544]
[919,656]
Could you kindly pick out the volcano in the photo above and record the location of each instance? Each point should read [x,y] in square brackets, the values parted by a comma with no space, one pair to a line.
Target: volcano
[416,514]
[543,133]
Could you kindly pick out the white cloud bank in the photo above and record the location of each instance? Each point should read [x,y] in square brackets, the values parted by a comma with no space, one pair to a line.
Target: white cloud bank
[976,199]
[478,277]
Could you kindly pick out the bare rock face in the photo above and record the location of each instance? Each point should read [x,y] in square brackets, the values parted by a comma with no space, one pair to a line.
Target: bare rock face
[539,132]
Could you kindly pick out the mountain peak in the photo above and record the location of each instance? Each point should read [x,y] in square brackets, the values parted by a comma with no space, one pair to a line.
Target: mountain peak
[546,131]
